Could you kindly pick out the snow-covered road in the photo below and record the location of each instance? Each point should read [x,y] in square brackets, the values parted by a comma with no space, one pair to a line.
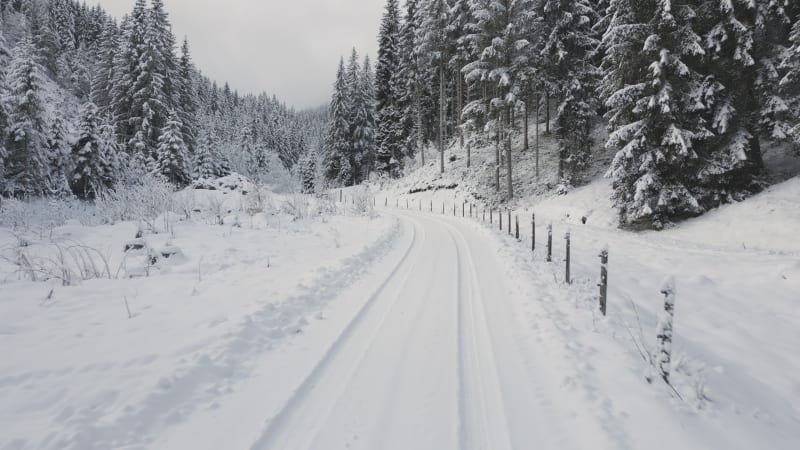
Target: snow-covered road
[432,361]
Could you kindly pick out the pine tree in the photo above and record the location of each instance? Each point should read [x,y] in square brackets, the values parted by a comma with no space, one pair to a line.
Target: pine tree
[367,132]
[187,98]
[356,116]
[649,47]
[732,97]
[27,165]
[308,172]
[567,51]
[337,140]
[93,171]
[433,41]
[387,94]
[3,111]
[172,158]
[59,155]
[206,163]
[409,102]
[790,83]
[104,75]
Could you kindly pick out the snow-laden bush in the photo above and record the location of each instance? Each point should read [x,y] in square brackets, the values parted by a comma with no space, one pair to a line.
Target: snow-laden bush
[362,201]
[144,200]
[298,206]
[40,216]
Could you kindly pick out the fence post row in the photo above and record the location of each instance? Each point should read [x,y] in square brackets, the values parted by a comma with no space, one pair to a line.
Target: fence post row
[603,280]
[566,236]
[549,242]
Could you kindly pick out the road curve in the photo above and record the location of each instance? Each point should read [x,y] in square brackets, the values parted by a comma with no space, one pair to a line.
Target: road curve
[432,360]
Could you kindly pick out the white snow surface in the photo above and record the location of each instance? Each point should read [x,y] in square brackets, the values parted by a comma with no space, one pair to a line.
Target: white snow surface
[416,330]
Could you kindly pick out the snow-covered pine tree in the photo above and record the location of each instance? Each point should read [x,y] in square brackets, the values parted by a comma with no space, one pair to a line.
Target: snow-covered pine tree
[205,162]
[172,159]
[4,55]
[650,45]
[504,28]
[790,83]
[308,172]
[733,93]
[90,174]
[60,161]
[435,45]
[567,62]
[356,116]
[103,78]
[389,159]
[409,92]
[27,165]
[187,98]
[126,115]
[367,133]
[337,140]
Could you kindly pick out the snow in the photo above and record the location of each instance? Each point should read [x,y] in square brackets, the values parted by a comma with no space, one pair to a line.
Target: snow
[78,372]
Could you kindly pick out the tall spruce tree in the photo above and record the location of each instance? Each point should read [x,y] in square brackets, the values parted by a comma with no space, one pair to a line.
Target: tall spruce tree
[187,98]
[337,140]
[567,50]
[93,162]
[27,164]
[172,156]
[790,84]
[4,55]
[650,45]
[389,157]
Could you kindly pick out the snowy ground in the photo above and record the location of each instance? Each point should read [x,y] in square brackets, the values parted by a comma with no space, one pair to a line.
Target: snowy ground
[78,372]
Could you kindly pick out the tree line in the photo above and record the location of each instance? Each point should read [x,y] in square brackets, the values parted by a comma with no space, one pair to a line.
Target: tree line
[691,91]
[87,102]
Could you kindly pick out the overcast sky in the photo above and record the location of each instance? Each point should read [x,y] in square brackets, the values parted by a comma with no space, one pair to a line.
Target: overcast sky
[287,48]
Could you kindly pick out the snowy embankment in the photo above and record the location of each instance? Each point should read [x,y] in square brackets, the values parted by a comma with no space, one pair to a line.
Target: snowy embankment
[735,382]
[158,333]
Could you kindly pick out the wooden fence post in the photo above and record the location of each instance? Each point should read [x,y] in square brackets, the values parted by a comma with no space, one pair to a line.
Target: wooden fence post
[509,222]
[533,232]
[463,209]
[549,242]
[454,209]
[491,215]
[386,203]
[470,210]
[516,218]
[406,203]
[566,236]
[340,196]
[500,215]
[603,280]
[431,205]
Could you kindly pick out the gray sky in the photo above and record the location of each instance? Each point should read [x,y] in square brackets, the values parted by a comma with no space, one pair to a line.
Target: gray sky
[287,48]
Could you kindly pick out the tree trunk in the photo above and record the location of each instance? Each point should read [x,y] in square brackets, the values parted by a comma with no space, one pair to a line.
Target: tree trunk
[418,121]
[547,113]
[441,116]
[538,96]
[459,107]
[508,162]
[525,126]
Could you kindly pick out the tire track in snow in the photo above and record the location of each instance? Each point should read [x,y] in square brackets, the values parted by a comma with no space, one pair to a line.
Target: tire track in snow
[279,429]
[482,416]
